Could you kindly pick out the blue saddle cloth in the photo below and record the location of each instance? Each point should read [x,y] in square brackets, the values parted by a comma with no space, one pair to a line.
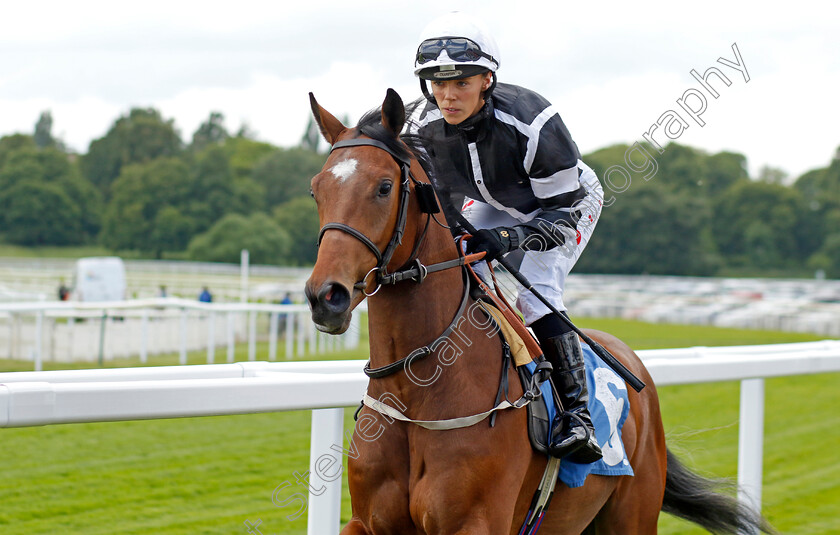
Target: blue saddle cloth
[608,406]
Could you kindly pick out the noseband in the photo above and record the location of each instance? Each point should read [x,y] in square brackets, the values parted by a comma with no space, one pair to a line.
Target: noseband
[384,257]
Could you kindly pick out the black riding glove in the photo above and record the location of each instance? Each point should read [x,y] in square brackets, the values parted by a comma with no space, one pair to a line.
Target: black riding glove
[494,242]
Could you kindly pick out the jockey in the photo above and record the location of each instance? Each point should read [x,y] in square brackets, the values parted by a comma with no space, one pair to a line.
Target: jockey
[501,154]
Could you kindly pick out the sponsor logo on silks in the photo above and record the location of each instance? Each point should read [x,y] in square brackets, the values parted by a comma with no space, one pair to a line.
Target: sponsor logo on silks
[467,204]
[448,74]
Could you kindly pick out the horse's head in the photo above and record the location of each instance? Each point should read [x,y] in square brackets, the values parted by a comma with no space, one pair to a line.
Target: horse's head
[364,209]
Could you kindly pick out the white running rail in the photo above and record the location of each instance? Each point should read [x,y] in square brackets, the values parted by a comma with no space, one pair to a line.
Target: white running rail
[44,398]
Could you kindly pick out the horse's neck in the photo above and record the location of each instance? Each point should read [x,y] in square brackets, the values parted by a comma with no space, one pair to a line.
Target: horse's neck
[409,315]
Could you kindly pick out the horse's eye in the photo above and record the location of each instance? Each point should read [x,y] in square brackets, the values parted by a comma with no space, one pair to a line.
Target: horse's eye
[311,193]
[385,188]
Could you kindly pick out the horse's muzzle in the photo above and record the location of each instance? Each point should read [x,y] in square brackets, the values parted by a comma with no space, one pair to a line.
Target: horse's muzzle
[330,306]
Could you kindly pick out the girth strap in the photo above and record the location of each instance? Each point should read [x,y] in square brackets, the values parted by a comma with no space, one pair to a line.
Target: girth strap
[443,425]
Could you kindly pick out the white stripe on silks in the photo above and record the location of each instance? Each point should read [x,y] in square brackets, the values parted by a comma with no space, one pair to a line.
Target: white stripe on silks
[530,131]
[560,182]
[414,124]
[478,178]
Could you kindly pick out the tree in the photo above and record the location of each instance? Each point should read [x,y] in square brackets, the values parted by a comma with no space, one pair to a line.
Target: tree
[12,143]
[772,175]
[830,251]
[299,218]
[139,194]
[50,166]
[171,231]
[211,132]
[286,174]
[265,241]
[682,169]
[747,205]
[34,213]
[139,137]
[213,190]
[244,154]
[43,131]
[651,230]
[723,170]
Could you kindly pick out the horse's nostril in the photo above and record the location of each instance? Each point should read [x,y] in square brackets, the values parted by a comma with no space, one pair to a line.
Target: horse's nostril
[335,297]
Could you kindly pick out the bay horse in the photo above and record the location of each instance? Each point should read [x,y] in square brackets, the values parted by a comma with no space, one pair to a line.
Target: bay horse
[479,479]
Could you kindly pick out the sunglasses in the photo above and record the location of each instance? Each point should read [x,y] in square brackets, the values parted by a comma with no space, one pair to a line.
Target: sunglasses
[457,48]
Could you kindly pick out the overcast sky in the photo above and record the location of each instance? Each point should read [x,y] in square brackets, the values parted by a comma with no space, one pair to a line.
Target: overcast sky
[611,69]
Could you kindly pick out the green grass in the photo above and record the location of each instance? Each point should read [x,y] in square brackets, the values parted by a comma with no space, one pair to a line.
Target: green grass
[210,475]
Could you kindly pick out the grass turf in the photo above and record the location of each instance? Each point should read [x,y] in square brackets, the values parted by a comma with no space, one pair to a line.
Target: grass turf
[210,475]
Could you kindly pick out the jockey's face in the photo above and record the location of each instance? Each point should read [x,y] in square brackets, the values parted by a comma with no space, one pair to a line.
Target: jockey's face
[459,100]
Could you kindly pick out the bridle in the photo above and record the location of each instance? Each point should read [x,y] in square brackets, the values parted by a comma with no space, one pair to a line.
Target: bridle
[428,205]
[418,271]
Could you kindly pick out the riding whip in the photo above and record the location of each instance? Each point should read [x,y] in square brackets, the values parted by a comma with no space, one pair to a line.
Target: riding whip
[600,350]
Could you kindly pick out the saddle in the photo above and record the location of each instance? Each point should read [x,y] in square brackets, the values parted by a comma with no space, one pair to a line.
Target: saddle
[522,347]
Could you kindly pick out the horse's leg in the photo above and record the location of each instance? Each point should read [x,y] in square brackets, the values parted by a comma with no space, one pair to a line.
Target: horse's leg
[633,508]
[572,511]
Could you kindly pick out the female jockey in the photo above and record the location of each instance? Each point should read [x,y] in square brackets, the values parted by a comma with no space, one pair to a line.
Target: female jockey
[501,155]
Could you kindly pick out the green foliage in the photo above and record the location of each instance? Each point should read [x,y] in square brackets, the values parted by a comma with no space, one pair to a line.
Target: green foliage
[213,188]
[758,222]
[54,181]
[211,132]
[680,211]
[244,154]
[830,252]
[139,137]
[12,143]
[650,230]
[723,170]
[139,194]
[286,173]
[43,131]
[38,213]
[265,241]
[299,217]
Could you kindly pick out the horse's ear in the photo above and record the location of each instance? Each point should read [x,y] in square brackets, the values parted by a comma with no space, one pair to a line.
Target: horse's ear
[393,112]
[330,127]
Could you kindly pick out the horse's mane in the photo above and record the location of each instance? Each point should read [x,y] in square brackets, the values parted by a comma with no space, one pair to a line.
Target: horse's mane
[412,144]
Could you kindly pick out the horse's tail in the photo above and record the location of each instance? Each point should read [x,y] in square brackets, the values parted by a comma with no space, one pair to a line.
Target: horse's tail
[692,497]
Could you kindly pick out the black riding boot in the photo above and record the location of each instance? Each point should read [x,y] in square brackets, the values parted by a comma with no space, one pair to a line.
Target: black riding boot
[573,435]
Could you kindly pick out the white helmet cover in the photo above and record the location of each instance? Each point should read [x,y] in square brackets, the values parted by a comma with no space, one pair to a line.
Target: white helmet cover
[457,24]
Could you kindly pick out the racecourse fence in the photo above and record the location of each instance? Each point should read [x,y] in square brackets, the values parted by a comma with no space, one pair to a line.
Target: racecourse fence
[74,396]
[72,331]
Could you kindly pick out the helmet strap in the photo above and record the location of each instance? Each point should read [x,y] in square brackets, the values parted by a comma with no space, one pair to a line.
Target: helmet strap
[424,87]
[492,86]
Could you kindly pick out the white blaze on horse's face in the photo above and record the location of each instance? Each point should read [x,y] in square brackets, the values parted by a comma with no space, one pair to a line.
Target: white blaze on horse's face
[344,169]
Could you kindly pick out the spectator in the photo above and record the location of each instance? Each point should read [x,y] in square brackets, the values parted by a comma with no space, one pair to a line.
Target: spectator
[205,296]
[63,291]
[162,291]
